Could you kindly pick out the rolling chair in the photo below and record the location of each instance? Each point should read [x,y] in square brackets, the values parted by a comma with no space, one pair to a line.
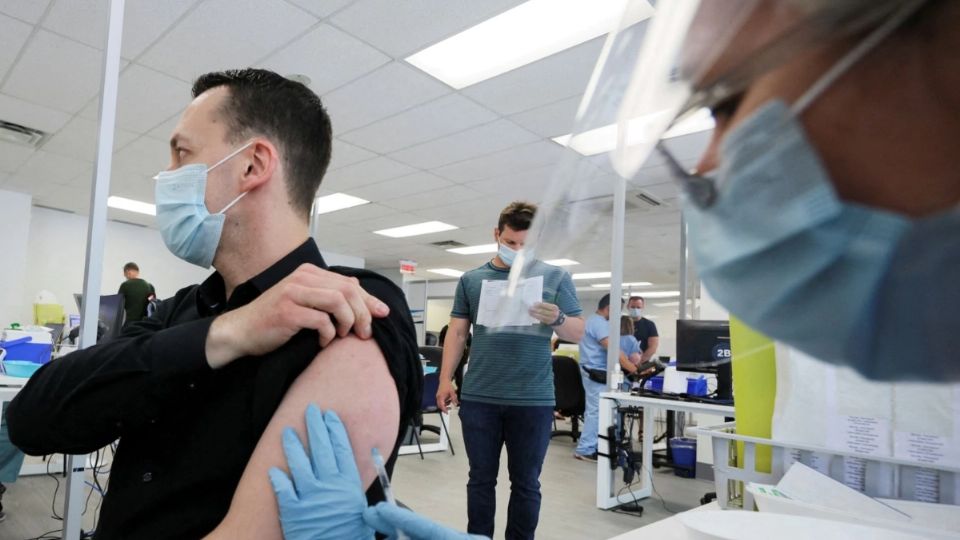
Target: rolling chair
[568,393]
[428,405]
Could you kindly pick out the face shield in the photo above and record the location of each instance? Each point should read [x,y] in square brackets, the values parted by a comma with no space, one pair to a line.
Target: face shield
[655,86]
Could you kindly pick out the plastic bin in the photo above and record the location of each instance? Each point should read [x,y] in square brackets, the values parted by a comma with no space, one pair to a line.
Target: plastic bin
[655,384]
[697,386]
[23,349]
[684,452]
[730,476]
[20,368]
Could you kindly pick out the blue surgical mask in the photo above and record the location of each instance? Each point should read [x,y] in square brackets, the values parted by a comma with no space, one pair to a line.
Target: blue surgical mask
[506,254]
[636,313]
[188,229]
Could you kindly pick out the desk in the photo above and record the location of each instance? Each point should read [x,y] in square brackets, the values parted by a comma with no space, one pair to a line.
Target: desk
[606,494]
[670,528]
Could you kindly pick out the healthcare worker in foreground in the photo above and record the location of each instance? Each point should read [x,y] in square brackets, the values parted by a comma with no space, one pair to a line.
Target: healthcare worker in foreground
[825,210]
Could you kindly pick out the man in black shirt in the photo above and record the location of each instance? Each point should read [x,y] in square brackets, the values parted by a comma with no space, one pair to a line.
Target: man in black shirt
[190,391]
[644,329]
[137,293]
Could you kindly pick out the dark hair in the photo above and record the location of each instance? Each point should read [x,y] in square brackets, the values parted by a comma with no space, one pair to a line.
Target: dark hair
[640,298]
[605,301]
[131,266]
[517,215]
[288,113]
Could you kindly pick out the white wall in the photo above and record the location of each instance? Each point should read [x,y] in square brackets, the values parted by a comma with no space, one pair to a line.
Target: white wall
[14,224]
[55,259]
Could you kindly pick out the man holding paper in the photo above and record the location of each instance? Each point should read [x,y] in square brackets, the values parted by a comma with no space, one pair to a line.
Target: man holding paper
[507,394]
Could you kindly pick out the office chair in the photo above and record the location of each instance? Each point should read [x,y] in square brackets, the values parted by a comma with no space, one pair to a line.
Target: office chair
[568,393]
[433,355]
[428,405]
[430,339]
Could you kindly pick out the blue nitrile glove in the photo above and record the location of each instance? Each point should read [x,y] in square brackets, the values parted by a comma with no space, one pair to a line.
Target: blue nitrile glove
[389,519]
[325,498]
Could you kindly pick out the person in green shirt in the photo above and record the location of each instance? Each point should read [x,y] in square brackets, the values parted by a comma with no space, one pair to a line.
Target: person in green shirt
[137,293]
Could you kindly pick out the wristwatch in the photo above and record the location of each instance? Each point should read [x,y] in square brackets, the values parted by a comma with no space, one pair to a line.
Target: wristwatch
[560,319]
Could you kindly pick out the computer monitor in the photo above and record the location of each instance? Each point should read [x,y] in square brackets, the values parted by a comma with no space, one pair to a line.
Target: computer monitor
[110,314]
[704,347]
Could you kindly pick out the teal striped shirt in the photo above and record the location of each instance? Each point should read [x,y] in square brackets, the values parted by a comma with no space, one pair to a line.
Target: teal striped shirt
[512,367]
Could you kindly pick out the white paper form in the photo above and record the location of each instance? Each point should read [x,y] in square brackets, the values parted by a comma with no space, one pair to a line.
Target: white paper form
[926,424]
[497,309]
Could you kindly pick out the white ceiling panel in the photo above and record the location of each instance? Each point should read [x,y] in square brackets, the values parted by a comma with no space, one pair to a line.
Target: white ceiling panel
[225,34]
[75,199]
[321,8]
[390,221]
[417,182]
[145,156]
[48,167]
[423,22]
[443,116]
[147,98]
[363,173]
[390,89]
[358,213]
[28,114]
[520,158]
[143,21]
[530,185]
[12,156]
[476,211]
[550,120]
[433,198]
[56,72]
[26,10]
[165,128]
[474,142]
[344,154]
[78,139]
[330,58]
[556,77]
[138,188]
[13,36]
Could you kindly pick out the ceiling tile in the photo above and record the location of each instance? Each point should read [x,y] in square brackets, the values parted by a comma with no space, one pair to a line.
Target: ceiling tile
[12,156]
[358,213]
[424,22]
[519,158]
[143,21]
[320,8]
[533,184]
[13,36]
[479,211]
[550,120]
[433,198]
[390,89]
[26,10]
[75,199]
[474,142]
[78,139]
[56,72]
[147,98]
[165,128]
[330,57]
[49,167]
[438,118]
[417,182]
[554,78]
[225,34]
[387,222]
[363,173]
[28,114]
[143,157]
[344,154]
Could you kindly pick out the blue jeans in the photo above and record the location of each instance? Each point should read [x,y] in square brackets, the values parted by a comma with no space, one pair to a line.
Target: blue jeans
[526,433]
[591,415]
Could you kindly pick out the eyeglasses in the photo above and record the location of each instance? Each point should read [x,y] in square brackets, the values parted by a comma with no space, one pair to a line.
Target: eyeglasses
[700,190]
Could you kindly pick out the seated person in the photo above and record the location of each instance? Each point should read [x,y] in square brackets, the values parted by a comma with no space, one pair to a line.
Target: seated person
[629,346]
[190,391]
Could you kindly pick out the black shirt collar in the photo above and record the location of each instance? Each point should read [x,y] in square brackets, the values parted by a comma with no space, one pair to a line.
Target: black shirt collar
[211,294]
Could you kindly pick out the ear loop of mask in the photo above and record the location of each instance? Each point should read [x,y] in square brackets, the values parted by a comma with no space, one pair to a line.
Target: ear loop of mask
[217,164]
[853,56]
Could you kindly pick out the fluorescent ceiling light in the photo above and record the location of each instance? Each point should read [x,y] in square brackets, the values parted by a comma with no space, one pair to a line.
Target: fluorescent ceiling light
[473,250]
[562,262]
[591,275]
[604,139]
[417,229]
[660,294]
[529,32]
[624,286]
[131,205]
[446,272]
[337,201]
[675,303]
